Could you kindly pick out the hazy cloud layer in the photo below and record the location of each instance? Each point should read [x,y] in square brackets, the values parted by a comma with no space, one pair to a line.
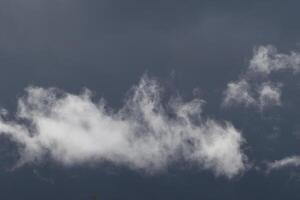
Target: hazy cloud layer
[254,88]
[145,134]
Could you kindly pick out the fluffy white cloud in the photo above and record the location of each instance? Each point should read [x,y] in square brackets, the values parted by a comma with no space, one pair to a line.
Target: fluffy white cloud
[292,161]
[253,90]
[238,93]
[145,134]
[262,96]
[269,95]
[266,59]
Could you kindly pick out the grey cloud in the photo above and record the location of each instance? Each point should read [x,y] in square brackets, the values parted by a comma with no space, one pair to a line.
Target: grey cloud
[73,130]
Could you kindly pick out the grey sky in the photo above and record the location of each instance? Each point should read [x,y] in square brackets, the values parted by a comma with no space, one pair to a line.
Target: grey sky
[194,48]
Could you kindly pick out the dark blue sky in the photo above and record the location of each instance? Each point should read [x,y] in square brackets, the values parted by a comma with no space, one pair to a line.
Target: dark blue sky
[107,45]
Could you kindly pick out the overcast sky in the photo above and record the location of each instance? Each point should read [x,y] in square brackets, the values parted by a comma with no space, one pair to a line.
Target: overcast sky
[127,99]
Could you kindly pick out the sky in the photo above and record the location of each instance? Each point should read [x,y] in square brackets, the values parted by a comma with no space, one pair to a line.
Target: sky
[137,100]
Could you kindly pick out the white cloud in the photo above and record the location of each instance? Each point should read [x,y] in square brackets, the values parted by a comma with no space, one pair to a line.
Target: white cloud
[238,93]
[266,60]
[269,95]
[251,89]
[262,96]
[145,134]
[292,161]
